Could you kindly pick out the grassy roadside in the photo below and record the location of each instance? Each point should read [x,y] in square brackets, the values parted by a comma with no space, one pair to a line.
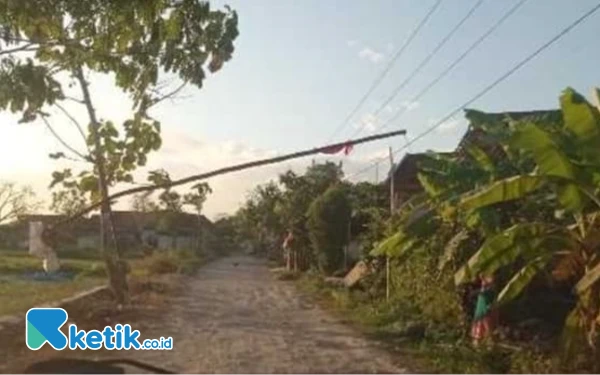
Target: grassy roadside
[18,293]
[405,330]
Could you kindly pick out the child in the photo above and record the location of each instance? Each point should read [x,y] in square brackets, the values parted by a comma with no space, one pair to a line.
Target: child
[484,320]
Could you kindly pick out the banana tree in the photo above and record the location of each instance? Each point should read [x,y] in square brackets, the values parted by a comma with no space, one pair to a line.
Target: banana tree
[565,178]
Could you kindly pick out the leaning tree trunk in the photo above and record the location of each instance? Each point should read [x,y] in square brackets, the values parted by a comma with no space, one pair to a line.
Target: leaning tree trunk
[116,268]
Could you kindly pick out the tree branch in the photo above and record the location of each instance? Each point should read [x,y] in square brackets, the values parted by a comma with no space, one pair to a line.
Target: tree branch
[23,48]
[168,96]
[62,141]
[80,101]
[76,123]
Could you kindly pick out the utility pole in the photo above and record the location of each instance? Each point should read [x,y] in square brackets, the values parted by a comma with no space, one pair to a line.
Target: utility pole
[387,258]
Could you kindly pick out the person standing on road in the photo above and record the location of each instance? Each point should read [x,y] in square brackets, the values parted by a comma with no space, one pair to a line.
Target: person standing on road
[287,250]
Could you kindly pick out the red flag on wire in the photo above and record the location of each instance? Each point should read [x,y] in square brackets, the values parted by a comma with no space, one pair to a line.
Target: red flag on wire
[347,148]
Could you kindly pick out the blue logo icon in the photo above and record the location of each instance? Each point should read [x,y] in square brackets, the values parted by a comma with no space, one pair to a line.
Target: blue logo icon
[43,325]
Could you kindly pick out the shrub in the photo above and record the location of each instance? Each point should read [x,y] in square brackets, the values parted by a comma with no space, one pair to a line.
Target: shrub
[160,263]
[173,261]
[328,222]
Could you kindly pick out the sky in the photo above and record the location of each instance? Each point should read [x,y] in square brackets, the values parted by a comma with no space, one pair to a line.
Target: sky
[300,67]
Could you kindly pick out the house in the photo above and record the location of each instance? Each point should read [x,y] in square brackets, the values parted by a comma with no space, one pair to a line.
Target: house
[133,230]
[406,183]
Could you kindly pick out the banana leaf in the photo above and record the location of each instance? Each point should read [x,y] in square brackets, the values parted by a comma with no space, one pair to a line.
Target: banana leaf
[502,249]
[481,158]
[583,122]
[522,278]
[551,161]
[511,188]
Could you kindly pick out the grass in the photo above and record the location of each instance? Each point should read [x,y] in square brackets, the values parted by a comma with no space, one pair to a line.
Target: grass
[19,296]
[408,331]
[18,293]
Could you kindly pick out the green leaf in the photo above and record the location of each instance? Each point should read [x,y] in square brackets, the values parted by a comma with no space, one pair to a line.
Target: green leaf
[452,247]
[502,249]
[505,190]
[57,155]
[551,161]
[388,244]
[581,119]
[395,246]
[429,185]
[549,157]
[89,183]
[481,158]
[522,278]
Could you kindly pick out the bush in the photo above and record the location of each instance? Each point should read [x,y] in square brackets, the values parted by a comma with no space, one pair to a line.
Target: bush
[328,224]
[172,261]
[160,263]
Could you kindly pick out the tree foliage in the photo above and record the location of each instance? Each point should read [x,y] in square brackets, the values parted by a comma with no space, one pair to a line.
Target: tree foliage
[48,50]
[522,207]
[68,201]
[328,227]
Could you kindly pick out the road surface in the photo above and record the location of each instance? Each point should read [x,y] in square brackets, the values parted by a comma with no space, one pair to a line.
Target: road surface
[239,319]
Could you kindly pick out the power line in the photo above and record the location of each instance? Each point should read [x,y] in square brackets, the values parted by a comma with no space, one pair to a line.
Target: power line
[386,70]
[450,67]
[503,77]
[424,62]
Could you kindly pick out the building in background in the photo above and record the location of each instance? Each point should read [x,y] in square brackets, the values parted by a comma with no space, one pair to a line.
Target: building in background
[134,231]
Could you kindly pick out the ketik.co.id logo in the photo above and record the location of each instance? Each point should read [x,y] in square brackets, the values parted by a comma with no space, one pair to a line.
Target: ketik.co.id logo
[44,324]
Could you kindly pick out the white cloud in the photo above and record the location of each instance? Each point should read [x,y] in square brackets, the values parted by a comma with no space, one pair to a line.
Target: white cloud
[368,122]
[449,126]
[410,105]
[371,55]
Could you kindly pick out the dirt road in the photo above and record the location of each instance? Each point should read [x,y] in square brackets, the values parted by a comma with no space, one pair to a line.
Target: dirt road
[239,319]
[233,319]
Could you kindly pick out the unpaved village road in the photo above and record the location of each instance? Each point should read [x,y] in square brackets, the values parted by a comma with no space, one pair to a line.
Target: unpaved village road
[239,319]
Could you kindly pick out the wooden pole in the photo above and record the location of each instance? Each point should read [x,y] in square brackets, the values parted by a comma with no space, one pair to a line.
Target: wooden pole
[234,168]
[387,259]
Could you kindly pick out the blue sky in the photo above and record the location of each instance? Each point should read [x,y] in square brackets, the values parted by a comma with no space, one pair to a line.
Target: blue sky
[294,76]
[301,66]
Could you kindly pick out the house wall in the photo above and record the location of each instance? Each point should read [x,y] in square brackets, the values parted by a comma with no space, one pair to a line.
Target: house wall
[167,242]
[88,242]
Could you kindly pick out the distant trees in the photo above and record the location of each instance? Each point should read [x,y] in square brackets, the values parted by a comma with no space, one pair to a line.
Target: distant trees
[143,203]
[197,197]
[328,226]
[68,201]
[15,201]
[278,206]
